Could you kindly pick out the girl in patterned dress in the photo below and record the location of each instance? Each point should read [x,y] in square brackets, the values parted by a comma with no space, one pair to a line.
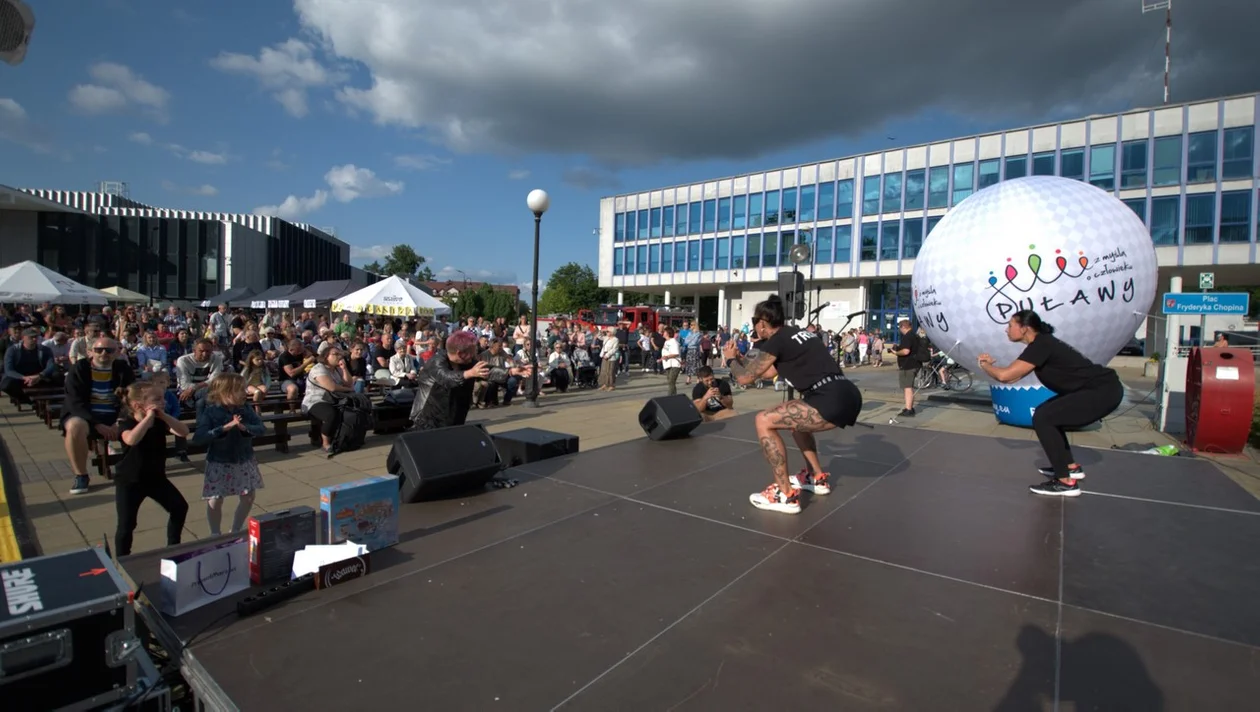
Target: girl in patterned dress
[227,427]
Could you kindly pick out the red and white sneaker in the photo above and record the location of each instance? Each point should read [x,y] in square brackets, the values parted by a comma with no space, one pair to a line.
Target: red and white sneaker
[818,484]
[776,501]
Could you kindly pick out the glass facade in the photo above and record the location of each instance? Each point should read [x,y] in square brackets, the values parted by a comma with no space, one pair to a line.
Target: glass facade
[896,210]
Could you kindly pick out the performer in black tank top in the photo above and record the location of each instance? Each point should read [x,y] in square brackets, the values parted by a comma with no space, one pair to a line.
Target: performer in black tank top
[829,400]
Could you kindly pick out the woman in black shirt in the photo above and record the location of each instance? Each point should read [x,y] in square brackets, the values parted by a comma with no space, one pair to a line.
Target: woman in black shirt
[828,400]
[1084,393]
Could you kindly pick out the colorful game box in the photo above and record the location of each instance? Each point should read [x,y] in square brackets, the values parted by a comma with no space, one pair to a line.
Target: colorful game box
[363,512]
[273,537]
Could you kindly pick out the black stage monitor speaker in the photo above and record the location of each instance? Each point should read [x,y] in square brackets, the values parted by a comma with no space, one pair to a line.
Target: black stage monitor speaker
[519,447]
[435,463]
[669,417]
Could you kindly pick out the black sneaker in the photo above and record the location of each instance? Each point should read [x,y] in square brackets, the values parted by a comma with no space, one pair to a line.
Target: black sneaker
[1075,473]
[1056,488]
[81,485]
[906,413]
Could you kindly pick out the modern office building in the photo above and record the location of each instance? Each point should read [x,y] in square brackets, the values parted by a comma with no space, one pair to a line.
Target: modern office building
[105,239]
[1189,171]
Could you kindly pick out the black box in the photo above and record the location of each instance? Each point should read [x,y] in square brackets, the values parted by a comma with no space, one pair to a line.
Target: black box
[517,447]
[67,633]
[274,538]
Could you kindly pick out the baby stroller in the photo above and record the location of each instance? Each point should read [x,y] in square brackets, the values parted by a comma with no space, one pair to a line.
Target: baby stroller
[586,377]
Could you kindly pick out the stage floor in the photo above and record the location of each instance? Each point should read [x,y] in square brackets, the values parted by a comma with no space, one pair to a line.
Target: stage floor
[638,577]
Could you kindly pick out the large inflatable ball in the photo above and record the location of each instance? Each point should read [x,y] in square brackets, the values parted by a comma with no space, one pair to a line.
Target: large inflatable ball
[1072,252]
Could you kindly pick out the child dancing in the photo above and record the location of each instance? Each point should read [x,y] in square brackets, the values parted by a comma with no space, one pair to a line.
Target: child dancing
[227,427]
[142,472]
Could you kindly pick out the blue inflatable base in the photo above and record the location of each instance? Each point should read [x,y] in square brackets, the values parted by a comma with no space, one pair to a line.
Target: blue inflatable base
[1015,405]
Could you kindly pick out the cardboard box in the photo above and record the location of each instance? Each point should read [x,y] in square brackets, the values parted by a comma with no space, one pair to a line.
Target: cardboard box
[363,512]
[273,539]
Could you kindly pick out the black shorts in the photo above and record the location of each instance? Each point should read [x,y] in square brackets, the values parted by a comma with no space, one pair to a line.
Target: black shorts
[838,402]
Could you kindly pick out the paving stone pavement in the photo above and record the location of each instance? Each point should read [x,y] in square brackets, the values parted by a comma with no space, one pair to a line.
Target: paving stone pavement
[65,522]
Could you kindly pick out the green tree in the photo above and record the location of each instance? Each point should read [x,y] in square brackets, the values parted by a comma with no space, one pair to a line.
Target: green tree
[403,261]
[555,299]
[571,287]
[374,267]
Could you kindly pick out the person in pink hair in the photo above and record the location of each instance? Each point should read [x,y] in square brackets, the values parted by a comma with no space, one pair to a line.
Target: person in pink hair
[445,383]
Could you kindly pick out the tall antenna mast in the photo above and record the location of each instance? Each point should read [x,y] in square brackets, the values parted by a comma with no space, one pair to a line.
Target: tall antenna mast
[1166,6]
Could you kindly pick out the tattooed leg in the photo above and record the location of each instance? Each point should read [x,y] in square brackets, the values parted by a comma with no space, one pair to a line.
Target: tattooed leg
[776,454]
[803,420]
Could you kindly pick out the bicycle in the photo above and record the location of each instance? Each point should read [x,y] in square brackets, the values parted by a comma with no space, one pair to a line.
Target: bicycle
[957,378]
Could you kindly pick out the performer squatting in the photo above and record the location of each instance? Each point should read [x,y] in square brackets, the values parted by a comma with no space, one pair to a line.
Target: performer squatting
[829,400]
[445,383]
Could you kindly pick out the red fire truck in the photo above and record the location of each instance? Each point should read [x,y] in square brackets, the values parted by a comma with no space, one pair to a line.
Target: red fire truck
[632,317]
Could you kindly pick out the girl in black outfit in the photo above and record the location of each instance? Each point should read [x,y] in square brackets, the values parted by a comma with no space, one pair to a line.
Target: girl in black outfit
[142,472]
[828,400]
[1084,393]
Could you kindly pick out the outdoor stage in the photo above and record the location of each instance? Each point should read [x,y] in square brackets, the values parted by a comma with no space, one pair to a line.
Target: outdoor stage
[638,577]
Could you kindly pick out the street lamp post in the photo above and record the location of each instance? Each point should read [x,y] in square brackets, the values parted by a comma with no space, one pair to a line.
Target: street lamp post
[538,203]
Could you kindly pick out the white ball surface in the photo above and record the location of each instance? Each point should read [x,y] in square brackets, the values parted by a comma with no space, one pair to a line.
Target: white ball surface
[1070,251]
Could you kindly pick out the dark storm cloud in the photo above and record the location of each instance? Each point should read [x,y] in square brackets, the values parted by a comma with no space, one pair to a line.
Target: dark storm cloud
[640,81]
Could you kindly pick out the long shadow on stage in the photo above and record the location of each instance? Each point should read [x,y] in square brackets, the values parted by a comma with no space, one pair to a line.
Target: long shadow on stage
[638,577]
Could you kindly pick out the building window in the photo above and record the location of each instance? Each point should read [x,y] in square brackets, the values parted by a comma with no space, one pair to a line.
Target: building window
[772,207]
[870,195]
[1133,164]
[724,214]
[1102,166]
[643,225]
[990,173]
[1072,164]
[931,223]
[915,189]
[1236,216]
[826,201]
[892,193]
[1200,218]
[822,245]
[1239,153]
[654,259]
[890,240]
[844,199]
[938,187]
[770,249]
[964,182]
[1165,216]
[754,210]
[786,240]
[680,220]
[710,216]
[693,255]
[723,250]
[629,260]
[1200,162]
[753,244]
[642,264]
[1017,166]
[807,212]
[620,234]
[737,252]
[631,222]
[1138,206]
[667,257]
[739,220]
[656,222]
[911,238]
[870,241]
[706,255]
[693,218]
[844,243]
[1167,161]
[1043,164]
[788,209]
[668,221]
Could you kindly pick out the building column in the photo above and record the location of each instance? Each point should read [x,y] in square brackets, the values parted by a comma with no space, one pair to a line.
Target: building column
[666,297]
[723,318]
[621,297]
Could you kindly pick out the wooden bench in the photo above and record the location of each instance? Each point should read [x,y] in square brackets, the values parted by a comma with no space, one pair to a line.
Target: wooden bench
[36,392]
[280,423]
[278,436]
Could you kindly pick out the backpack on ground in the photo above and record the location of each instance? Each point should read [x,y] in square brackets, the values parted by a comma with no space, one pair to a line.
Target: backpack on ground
[357,418]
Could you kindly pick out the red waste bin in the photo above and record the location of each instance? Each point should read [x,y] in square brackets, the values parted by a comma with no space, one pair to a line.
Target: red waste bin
[1220,399]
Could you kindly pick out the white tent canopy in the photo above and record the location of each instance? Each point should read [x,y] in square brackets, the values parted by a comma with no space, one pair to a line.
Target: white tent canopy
[124,295]
[32,283]
[391,297]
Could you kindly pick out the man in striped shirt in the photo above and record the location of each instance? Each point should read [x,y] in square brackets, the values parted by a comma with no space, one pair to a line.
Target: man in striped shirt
[91,405]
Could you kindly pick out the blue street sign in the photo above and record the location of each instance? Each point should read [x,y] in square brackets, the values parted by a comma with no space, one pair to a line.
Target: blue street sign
[1205,303]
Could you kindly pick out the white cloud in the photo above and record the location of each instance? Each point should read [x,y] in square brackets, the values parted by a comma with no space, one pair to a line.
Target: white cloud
[207,157]
[16,126]
[141,138]
[371,253]
[288,70]
[116,88]
[416,162]
[203,190]
[518,174]
[345,184]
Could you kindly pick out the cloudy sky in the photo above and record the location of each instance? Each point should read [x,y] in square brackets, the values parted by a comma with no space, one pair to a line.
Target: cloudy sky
[427,121]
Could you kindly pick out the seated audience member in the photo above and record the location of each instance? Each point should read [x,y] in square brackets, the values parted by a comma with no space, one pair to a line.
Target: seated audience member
[194,371]
[712,396]
[486,392]
[242,347]
[559,368]
[90,410]
[59,344]
[294,363]
[26,365]
[152,356]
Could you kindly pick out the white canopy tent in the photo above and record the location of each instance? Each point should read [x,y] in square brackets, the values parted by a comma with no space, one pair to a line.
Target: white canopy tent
[391,297]
[32,283]
[124,295]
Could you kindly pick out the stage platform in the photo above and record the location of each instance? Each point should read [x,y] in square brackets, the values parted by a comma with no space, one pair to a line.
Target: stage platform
[638,577]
